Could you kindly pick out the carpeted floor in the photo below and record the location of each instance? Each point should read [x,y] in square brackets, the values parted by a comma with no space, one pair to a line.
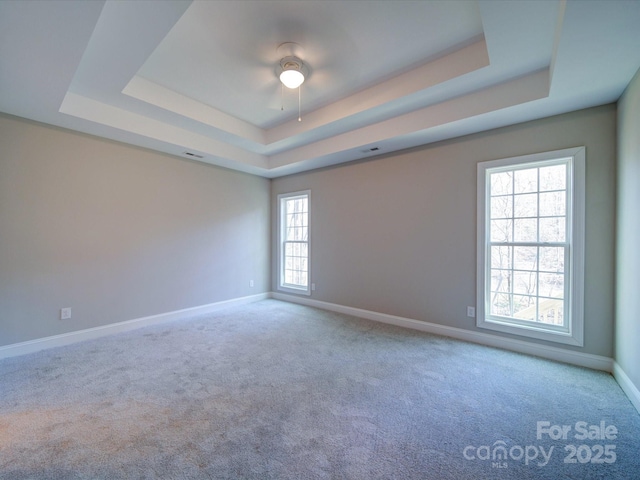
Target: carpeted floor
[280,391]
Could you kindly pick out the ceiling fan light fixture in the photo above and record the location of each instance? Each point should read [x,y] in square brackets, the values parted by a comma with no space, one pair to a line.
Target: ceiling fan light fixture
[291,71]
[292,75]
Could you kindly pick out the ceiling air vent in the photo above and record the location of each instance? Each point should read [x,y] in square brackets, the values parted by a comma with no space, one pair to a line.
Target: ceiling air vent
[192,155]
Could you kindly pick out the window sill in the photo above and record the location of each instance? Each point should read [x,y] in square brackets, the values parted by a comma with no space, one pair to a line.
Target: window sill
[294,290]
[567,338]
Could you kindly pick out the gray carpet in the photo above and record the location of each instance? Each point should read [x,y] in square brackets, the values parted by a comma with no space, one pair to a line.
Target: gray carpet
[280,391]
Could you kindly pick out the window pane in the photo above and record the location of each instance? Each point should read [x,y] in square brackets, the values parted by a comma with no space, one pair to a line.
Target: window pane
[525,283]
[552,285]
[501,231]
[552,229]
[553,178]
[552,259]
[525,258]
[525,230]
[553,204]
[501,281]
[524,307]
[525,180]
[525,205]
[501,207]
[501,183]
[501,257]
[501,304]
[551,312]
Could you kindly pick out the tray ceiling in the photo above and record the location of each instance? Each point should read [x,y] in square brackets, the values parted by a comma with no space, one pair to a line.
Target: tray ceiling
[197,78]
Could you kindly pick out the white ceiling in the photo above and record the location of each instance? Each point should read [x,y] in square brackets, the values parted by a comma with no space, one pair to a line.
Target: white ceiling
[199,76]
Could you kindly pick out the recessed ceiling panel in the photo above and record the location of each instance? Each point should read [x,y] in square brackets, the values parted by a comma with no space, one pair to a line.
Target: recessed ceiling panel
[223,53]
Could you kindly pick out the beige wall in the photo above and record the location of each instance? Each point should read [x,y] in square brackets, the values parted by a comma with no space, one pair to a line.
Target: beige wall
[118,233]
[397,234]
[628,240]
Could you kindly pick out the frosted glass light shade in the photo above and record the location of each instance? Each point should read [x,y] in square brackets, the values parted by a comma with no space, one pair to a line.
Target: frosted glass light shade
[292,78]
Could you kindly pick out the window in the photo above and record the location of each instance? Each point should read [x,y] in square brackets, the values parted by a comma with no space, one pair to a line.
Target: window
[293,255]
[531,245]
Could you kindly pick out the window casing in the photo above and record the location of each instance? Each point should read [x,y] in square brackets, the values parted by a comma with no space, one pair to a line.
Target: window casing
[293,251]
[531,245]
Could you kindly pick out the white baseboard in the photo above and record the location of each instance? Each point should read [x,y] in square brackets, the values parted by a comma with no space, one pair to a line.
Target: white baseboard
[596,362]
[588,360]
[627,385]
[104,330]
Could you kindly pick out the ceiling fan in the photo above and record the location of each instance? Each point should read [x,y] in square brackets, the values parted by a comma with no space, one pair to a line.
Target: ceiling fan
[291,70]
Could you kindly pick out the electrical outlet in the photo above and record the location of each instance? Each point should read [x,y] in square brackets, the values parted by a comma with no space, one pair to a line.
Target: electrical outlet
[65,313]
[251,283]
[471,312]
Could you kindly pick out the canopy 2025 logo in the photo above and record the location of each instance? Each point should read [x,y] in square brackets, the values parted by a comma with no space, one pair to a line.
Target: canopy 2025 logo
[499,453]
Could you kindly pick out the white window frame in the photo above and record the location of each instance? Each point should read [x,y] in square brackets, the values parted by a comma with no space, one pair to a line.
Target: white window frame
[282,286]
[573,334]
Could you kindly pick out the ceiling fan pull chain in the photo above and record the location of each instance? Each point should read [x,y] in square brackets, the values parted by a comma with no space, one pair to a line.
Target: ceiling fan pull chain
[299,114]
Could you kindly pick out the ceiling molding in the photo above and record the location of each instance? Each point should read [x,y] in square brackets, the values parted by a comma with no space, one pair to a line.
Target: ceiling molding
[175,102]
[214,151]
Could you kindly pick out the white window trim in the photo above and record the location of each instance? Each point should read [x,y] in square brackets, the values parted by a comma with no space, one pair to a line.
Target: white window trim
[281,286]
[575,232]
